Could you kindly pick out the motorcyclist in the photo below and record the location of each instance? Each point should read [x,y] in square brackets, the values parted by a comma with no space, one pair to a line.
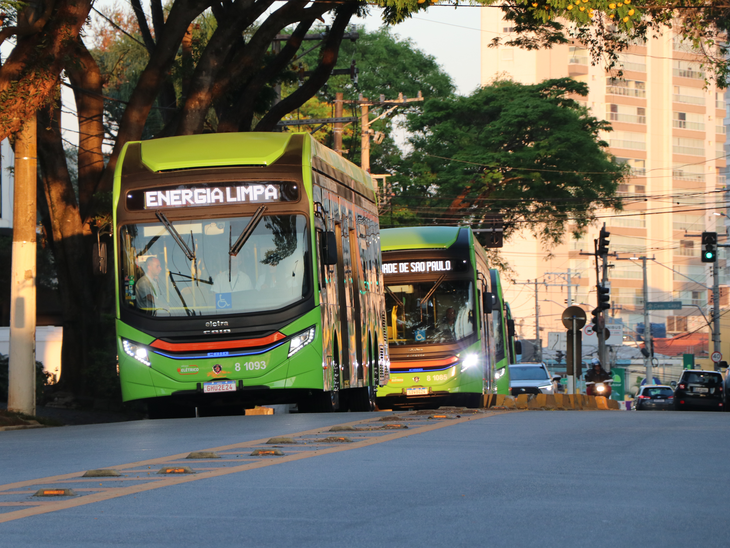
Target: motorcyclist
[597,374]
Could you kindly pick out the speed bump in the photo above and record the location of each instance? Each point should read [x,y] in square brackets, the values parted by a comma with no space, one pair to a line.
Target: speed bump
[53,492]
[102,473]
[175,470]
[203,455]
[267,452]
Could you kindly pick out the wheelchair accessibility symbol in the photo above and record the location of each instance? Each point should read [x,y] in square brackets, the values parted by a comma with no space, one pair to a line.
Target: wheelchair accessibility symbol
[223,300]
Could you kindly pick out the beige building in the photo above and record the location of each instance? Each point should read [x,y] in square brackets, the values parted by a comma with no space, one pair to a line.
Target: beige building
[669,128]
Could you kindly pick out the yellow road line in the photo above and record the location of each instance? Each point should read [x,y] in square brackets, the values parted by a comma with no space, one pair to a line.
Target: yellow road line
[158,482]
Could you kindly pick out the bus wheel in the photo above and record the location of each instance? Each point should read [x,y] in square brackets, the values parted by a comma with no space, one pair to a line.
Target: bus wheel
[472,401]
[361,399]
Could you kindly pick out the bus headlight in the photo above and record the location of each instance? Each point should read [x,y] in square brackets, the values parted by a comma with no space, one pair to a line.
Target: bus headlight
[137,351]
[469,361]
[300,340]
[499,373]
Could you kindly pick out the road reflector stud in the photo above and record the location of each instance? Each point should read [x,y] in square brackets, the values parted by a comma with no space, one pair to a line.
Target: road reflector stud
[267,452]
[342,428]
[175,470]
[448,417]
[55,493]
[102,473]
[280,440]
[203,455]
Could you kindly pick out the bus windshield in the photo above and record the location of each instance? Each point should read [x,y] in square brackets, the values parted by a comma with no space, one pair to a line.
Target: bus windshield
[185,267]
[439,312]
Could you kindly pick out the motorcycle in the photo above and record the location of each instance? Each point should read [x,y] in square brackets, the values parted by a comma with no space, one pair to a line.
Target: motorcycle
[599,388]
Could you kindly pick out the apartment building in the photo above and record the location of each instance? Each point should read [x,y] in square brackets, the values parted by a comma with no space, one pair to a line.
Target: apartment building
[669,128]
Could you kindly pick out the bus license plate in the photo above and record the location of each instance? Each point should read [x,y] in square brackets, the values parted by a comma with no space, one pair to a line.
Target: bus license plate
[219,386]
[416,391]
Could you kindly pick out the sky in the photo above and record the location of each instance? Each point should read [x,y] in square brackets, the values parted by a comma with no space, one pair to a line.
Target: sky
[450,35]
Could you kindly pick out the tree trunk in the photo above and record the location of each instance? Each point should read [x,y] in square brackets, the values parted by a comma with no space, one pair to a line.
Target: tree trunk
[29,76]
[81,318]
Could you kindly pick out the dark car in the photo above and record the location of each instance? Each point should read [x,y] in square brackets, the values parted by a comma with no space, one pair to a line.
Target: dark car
[700,390]
[656,397]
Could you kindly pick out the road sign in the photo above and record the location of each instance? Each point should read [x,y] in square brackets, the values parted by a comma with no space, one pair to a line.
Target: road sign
[574,313]
[716,357]
[588,330]
[669,305]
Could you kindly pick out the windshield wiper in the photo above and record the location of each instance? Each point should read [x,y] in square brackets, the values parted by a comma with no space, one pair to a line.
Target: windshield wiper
[246,234]
[175,236]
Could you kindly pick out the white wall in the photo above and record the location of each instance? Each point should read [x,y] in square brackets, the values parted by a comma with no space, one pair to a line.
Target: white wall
[7,160]
[47,350]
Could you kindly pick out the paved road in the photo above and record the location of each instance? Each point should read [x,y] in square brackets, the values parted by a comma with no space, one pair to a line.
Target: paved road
[534,478]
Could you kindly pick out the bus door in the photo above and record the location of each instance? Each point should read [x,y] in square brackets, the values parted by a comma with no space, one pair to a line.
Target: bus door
[344,286]
[356,288]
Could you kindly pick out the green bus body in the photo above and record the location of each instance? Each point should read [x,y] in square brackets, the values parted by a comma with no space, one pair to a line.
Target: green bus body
[440,332]
[269,287]
[504,341]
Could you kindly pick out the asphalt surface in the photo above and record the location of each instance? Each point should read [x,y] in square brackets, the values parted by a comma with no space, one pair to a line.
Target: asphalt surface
[549,478]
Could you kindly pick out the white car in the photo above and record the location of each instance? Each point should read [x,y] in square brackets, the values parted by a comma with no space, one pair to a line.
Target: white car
[532,378]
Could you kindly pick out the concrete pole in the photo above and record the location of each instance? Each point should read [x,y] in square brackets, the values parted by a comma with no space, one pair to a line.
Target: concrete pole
[365,139]
[338,125]
[647,327]
[537,325]
[21,381]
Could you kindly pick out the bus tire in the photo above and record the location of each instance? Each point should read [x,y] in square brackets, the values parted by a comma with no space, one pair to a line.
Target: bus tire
[320,402]
[472,401]
[361,399]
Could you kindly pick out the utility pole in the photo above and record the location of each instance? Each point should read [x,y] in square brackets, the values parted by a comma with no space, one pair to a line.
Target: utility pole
[567,278]
[716,346]
[648,358]
[338,125]
[21,370]
[537,325]
[365,105]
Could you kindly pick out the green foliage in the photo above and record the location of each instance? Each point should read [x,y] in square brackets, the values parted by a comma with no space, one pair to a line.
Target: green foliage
[608,27]
[41,379]
[529,153]
[387,66]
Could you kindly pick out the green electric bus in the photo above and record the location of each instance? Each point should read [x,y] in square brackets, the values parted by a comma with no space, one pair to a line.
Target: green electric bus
[439,298]
[248,272]
[504,335]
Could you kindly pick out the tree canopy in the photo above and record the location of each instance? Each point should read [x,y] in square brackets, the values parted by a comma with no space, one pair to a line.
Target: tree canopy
[529,153]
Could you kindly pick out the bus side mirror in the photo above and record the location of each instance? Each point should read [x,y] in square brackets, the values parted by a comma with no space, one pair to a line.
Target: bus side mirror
[487,301]
[518,347]
[99,259]
[329,248]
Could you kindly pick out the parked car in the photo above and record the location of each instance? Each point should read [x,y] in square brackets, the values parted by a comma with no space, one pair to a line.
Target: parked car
[532,378]
[656,397]
[699,389]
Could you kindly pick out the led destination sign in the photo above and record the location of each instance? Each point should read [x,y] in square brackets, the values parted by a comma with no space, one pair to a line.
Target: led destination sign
[417,267]
[212,195]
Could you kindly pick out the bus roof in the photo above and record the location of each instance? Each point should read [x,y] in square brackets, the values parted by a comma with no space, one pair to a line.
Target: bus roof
[419,237]
[213,150]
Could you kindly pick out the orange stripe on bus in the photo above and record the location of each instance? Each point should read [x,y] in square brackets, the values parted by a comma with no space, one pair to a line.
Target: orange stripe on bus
[423,363]
[218,345]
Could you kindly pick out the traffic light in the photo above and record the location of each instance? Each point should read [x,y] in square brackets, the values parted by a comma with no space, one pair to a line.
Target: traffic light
[603,242]
[709,247]
[596,320]
[603,297]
